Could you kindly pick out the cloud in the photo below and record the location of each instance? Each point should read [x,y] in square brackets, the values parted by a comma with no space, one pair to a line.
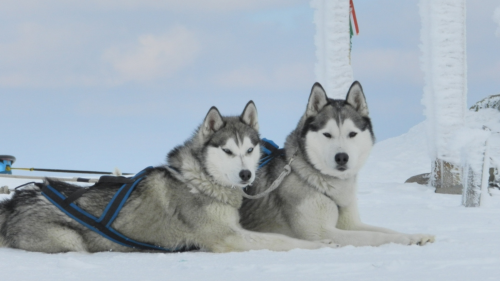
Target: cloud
[33,54]
[154,56]
[114,109]
[47,56]
[387,64]
[173,5]
[199,5]
[284,76]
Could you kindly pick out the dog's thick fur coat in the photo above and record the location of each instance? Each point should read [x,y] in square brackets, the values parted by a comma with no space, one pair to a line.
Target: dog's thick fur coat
[192,201]
[318,199]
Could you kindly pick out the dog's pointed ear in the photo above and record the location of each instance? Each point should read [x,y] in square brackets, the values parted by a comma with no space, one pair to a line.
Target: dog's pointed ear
[249,116]
[212,123]
[356,98]
[317,100]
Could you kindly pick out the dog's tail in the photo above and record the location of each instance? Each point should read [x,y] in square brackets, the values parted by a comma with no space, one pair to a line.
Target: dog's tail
[8,205]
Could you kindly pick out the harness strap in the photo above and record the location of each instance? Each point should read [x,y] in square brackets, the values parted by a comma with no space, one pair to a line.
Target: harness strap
[109,179]
[286,171]
[270,150]
[102,225]
[75,195]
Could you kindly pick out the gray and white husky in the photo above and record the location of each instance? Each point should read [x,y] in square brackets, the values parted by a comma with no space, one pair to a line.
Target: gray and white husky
[192,201]
[317,200]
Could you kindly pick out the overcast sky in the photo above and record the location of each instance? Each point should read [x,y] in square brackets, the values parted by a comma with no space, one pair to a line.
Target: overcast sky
[102,83]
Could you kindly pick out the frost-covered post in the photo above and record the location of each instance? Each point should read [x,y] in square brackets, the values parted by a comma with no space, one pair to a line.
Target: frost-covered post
[333,68]
[475,162]
[444,64]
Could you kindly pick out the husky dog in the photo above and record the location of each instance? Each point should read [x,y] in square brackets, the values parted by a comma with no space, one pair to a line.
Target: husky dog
[192,201]
[317,200]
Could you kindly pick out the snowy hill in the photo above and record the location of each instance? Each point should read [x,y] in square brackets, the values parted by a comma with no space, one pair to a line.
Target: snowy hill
[488,102]
[397,159]
[467,245]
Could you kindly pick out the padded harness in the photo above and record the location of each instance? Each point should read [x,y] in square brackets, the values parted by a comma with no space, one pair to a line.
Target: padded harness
[270,150]
[102,225]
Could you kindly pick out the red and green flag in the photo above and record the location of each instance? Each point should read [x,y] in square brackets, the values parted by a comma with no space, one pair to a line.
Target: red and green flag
[352,18]
[355,30]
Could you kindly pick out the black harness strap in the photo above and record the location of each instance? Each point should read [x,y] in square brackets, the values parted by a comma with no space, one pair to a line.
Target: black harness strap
[110,179]
[113,179]
[75,195]
[102,225]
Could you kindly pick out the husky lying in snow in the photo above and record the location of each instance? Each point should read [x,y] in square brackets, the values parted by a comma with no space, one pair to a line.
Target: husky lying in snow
[192,201]
[318,199]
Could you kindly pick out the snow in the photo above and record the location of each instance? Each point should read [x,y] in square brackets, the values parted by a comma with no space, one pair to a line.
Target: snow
[473,147]
[333,67]
[467,243]
[444,65]
[489,118]
[393,160]
[488,102]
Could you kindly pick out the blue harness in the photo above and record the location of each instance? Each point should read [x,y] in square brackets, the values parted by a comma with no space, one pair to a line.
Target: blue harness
[102,225]
[270,151]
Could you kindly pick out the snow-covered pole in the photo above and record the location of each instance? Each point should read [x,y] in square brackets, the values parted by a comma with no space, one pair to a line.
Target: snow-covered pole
[333,67]
[444,62]
[475,162]
[476,157]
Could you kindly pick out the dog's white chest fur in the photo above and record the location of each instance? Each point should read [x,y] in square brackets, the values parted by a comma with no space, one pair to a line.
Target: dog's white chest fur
[323,206]
[339,191]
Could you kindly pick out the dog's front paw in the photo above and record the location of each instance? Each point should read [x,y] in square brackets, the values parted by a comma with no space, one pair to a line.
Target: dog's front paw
[329,243]
[421,239]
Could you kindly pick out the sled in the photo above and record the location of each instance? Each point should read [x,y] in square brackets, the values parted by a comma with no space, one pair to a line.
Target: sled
[270,150]
[6,162]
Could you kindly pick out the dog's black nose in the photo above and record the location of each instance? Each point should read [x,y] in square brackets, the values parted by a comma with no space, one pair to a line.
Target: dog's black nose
[245,175]
[341,158]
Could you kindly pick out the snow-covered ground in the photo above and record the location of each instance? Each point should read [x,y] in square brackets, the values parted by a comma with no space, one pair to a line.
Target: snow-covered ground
[467,243]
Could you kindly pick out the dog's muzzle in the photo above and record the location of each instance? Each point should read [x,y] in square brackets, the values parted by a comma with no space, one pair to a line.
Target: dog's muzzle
[341,159]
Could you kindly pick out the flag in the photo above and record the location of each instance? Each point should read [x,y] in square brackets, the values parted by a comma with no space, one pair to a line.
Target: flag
[352,18]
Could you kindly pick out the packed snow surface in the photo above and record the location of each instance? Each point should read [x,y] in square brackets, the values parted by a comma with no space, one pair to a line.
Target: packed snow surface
[467,243]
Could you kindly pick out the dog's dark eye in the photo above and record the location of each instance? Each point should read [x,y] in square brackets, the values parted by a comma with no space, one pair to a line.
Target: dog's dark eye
[327,135]
[227,151]
[250,150]
[352,134]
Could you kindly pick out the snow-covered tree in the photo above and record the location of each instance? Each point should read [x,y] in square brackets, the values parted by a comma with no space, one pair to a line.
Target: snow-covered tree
[444,64]
[333,68]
